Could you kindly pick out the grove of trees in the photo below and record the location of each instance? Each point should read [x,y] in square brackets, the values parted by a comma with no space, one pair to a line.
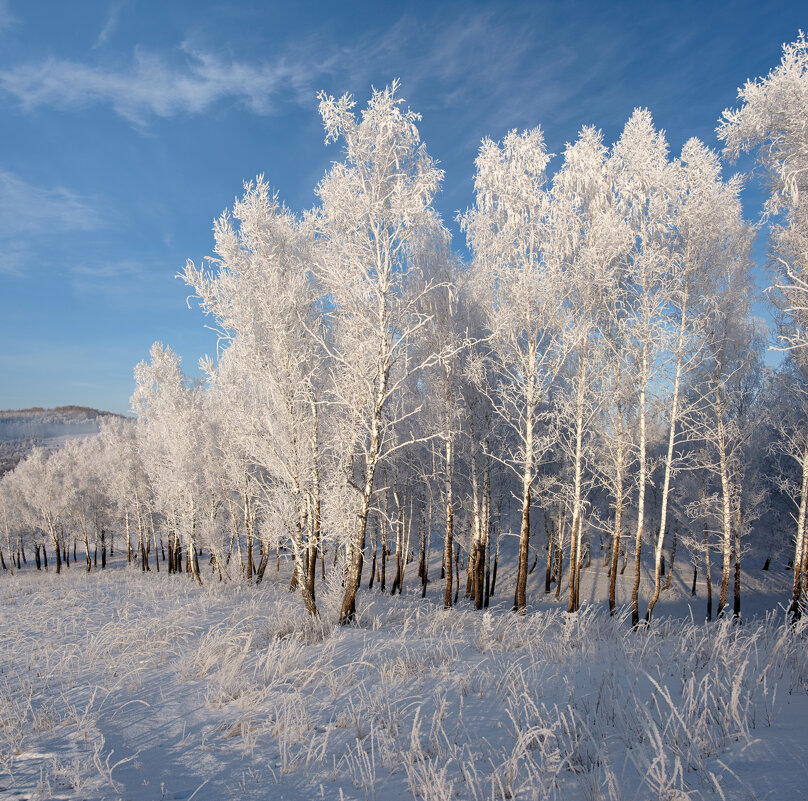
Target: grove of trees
[591,383]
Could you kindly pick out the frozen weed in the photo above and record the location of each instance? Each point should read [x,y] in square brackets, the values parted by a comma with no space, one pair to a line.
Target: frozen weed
[289,722]
[409,665]
[69,774]
[427,773]
[660,771]
[361,763]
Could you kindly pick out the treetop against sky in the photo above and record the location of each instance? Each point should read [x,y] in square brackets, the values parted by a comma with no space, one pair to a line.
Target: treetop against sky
[129,126]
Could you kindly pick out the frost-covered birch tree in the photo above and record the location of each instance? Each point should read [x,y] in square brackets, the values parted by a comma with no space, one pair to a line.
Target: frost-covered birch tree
[172,439]
[732,375]
[710,243]
[260,291]
[518,265]
[593,241]
[771,123]
[376,229]
[643,183]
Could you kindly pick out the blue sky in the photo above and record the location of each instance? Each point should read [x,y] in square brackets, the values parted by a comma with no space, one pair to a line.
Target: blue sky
[128,126]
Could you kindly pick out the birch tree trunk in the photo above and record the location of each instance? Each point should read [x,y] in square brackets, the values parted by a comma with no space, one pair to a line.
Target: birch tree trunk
[483,549]
[520,596]
[316,531]
[641,481]
[663,522]
[448,543]
[796,608]
[726,500]
[357,546]
[578,468]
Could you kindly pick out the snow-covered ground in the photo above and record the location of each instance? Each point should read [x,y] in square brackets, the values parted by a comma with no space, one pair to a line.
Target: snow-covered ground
[117,684]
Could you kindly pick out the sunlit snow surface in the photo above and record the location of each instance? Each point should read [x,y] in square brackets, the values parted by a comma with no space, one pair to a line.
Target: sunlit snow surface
[116,685]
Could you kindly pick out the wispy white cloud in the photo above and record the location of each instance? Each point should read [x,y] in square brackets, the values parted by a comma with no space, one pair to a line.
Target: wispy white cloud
[26,209]
[491,71]
[110,24]
[121,284]
[7,19]
[14,259]
[454,56]
[29,212]
[449,55]
[115,281]
[115,270]
[153,86]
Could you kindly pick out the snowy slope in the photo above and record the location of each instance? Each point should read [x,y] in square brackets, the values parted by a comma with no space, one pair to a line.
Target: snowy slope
[23,429]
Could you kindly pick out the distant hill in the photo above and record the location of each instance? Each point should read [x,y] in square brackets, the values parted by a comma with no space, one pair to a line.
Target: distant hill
[21,430]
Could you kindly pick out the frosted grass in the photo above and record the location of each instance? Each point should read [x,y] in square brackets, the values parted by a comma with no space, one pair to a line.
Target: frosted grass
[118,685]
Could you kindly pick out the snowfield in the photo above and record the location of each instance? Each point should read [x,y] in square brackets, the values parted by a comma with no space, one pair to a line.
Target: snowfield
[120,685]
